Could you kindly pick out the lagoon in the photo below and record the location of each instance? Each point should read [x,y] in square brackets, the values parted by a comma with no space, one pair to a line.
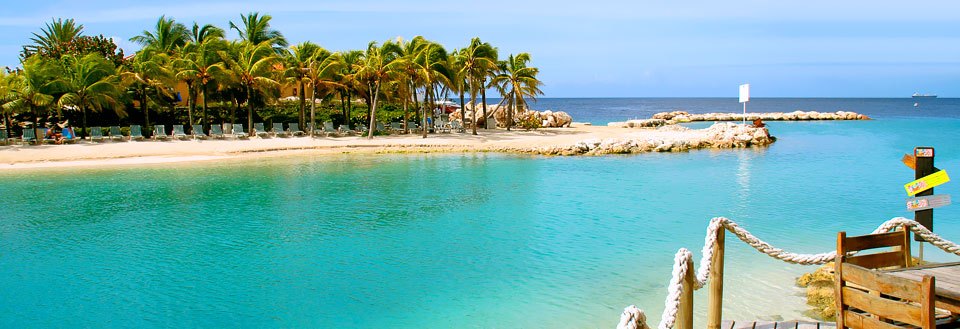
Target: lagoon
[437,241]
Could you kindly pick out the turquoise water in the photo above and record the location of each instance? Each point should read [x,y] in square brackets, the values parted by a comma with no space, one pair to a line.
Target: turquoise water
[438,241]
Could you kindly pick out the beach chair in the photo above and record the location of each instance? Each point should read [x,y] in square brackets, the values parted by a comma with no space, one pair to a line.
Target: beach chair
[345,130]
[872,299]
[456,125]
[135,132]
[160,132]
[381,128]
[3,136]
[295,129]
[196,131]
[411,126]
[69,136]
[115,133]
[443,126]
[362,129]
[29,136]
[396,127]
[216,131]
[45,140]
[260,130]
[96,134]
[278,129]
[178,132]
[311,130]
[328,129]
[238,132]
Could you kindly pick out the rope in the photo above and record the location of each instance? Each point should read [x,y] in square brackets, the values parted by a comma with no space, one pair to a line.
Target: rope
[634,318]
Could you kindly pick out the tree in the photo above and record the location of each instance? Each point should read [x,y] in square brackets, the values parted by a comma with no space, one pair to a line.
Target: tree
[378,65]
[90,83]
[199,64]
[297,61]
[255,29]
[166,38]
[477,61]
[8,97]
[348,79]
[252,69]
[64,37]
[35,87]
[322,69]
[515,81]
[148,75]
[55,34]
[432,62]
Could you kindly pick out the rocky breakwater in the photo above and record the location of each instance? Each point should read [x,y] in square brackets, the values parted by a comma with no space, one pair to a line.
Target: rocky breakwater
[682,116]
[522,118]
[672,138]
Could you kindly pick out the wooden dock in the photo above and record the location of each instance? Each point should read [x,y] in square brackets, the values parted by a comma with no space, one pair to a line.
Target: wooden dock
[728,324]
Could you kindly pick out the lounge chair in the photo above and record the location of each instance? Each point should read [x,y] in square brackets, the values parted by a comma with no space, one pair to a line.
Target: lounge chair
[216,131]
[135,132]
[381,128]
[29,136]
[44,139]
[295,129]
[238,131]
[455,125]
[115,133]
[96,134]
[443,126]
[396,127]
[278,129]
[261,131]
[329,129]
[411,126]
[311,129]
[178,132]
[345,129]
[69,136]
[197,131]
[3,136]
[160,132]
[362,129]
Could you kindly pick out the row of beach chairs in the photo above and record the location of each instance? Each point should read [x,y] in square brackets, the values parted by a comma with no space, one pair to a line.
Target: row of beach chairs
[236,131]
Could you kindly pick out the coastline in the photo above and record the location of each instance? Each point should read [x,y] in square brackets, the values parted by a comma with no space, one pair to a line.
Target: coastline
[579,139]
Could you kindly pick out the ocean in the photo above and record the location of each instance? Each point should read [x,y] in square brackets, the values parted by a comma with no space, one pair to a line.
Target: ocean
[462,240]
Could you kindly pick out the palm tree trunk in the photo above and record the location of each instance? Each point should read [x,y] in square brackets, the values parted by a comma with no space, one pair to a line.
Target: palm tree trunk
[428,99]
[313,110]
[249,113]
[6,125]
[191,103]
[473,99]
[483,95]
[373,112]
[145,109]
[416,105]
[406,113]
[203,92]
[302,104]
[83,133]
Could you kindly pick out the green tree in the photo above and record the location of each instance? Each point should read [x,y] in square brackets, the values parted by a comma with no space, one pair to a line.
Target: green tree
[432,63]
[255,29]
[36,86]
[199,64]
[148,76]
[322,70]
[477,60]
[297,63]
[251,70]
[8,97]
[90,84]
[167,37]
[55,34]
[516,81]
[378,65]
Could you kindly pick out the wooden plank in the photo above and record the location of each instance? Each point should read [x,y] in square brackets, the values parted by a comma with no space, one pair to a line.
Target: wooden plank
[726,324]
[880,306]
[871,241]
[825,325]
[764,325]
[807,325]
[854,320]
[878,260]
[948,278]
[885,283]
[787,325]
[743,325]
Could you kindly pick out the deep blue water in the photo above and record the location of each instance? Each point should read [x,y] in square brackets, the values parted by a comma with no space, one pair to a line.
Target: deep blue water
[464,240]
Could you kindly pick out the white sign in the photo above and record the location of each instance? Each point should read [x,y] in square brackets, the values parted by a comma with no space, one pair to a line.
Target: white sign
[744,93]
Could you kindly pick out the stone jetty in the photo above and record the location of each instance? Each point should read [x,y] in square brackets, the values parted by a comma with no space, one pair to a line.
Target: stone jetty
[683,116]
[673,138]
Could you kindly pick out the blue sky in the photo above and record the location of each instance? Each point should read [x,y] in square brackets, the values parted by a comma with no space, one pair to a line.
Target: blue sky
[602,48]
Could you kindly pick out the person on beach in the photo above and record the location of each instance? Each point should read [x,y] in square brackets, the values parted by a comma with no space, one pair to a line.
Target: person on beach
[54,134]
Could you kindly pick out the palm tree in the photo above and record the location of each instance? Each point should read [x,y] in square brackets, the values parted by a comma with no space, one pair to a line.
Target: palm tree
[411,73]
[55,34]
[458,79]
[36,86]
[199,63]
[477,61]
[166,38]
[256,29]
[297,67]
[90,83]
[515,81]
[379,65]
[8,97]
[348,80]
[252,69]
[322,69]
[432,62]
[148,76]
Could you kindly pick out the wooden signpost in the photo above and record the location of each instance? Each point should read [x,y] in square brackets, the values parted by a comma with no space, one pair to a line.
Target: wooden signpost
[927,176]
[928,202]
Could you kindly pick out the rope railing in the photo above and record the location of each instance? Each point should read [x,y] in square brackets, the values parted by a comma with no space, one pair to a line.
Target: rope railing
[634,318]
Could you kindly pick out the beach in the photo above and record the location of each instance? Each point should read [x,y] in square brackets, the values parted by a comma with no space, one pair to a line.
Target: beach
[543,141]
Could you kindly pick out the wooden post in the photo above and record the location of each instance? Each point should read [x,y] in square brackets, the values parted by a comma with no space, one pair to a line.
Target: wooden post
[685,313]
[715,306]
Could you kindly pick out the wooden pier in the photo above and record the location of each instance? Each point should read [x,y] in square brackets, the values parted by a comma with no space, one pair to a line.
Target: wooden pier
[727,324]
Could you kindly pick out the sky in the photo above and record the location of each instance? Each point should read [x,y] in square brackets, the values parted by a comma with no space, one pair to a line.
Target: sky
[599,48]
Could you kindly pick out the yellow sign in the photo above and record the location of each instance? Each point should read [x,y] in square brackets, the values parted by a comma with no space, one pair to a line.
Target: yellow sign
[926,183]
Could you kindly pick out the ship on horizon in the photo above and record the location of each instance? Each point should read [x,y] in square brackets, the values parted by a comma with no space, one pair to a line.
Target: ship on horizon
[919,95]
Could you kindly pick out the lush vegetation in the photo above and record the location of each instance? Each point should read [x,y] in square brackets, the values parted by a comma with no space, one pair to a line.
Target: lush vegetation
[67,75]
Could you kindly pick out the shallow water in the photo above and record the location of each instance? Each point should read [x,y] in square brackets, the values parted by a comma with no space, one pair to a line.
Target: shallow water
[412,241]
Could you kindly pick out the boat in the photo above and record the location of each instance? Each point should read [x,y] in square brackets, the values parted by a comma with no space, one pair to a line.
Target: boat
[919,95]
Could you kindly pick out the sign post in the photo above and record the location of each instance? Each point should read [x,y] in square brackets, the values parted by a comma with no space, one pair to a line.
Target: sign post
[744,98]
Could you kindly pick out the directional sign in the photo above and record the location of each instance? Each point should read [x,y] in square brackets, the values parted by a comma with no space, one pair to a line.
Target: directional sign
[923,152]
[926,183]
[910,161]
[928,202]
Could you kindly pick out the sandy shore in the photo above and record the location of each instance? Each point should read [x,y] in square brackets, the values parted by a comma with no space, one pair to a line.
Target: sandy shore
[493,140]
